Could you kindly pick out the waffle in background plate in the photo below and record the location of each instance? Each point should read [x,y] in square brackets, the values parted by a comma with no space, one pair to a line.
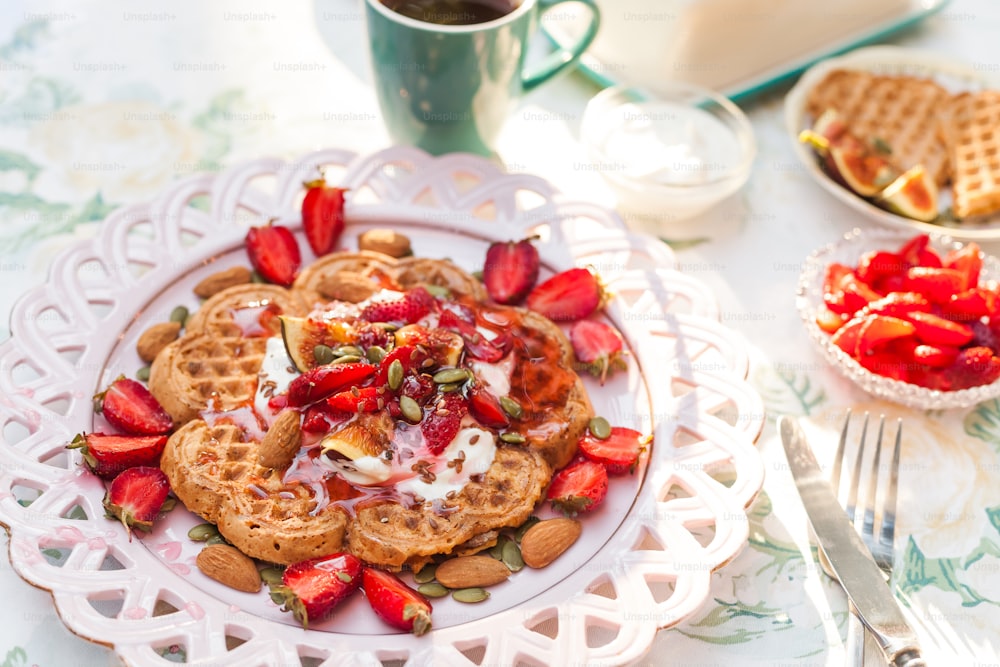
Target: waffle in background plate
[901,111]
[971,128]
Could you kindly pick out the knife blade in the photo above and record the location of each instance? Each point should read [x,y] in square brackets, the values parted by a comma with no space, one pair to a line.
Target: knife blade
[849,557]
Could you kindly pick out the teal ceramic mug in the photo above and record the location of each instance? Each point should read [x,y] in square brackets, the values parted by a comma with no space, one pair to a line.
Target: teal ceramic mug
[450,88]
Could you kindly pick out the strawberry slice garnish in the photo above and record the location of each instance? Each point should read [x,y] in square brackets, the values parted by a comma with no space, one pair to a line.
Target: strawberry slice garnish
[365,399]
[410,357]
[598,347]
[442,423]
[878,329]
[619,452]
[407,309]
[485,407]
[107,455]
[476,344]
[511,270]
[274,253]
[322,216]
[917,252]
[136,496]
[579,487]
[934,330]
[396,603]
[128,406]
[967,260]
[311,589]
[318,383]
[878,264]
[567,296]
[937,285]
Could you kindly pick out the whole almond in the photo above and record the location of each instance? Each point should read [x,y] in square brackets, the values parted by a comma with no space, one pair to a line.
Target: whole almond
[386,241]
[215,283]
[347,286]
[547,540]
[155,338]
[281,441]
[471,572]
[230,566]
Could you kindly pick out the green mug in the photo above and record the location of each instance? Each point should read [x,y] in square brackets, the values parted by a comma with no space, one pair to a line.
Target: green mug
[450,88]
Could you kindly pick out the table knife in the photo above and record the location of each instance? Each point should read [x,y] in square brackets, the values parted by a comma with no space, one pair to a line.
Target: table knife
[849,557]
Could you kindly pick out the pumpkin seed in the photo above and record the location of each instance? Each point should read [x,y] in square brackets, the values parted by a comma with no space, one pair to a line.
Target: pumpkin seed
[142,374]
[451,376]
[438,290]
[511,556]
[496,551]
[512,438]
[511,407]
[426,574]
[375,354]
[471,595]
[202,532]
[523,528]
[395,374]
[216,539]
[386,326]
[432,590]
[451,386]
[410,409]
[272,576]
[179,315]
[323,354]
[255,277]
[346,359]
[600,428]
[348,349]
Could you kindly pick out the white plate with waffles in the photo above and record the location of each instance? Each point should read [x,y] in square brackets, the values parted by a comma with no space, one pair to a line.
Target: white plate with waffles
[646,556]
[917,132]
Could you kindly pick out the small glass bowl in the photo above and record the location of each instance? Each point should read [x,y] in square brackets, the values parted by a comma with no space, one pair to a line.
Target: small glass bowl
[669,156]
[809,300]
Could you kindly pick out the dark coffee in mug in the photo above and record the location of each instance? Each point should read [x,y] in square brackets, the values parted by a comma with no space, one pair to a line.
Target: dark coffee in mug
[453,12]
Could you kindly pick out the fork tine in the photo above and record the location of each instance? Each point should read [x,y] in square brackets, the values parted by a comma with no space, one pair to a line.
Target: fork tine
[872,521]
[887,531]
[852,496]
[838,457]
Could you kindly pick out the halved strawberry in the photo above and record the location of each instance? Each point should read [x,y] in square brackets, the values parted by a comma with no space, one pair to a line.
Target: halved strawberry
[410,357]
[829,321]
[107,455]
[935,356]
[598,346]
[879,329]
[917,252]
[511,270]
[128,406]
[136,496]
[579,487]
[274,253]
[322,381]
[847,336]
[619,452]
[888,362]
[407,309]
[571,295]
[443,421]
[879,264]
[396,603]
[320,418]
[834,272]
[485,407]
[898,304]
[935,330]
[937,285]
[970,305]
[967,260]
[476,343]
[311,589]
[322,216]
[974,366]
[364,399]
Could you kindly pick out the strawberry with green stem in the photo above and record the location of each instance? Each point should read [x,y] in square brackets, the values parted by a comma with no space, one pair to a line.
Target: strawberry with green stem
[128,406]
[598,347]
[136,496]
[107,455]
[311,589]
[322,216]
[396,603]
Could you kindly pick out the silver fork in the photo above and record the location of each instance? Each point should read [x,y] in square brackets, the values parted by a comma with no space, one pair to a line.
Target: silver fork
[877,522]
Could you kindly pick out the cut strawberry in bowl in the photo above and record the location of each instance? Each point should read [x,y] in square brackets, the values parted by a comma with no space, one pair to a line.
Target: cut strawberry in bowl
[928,340]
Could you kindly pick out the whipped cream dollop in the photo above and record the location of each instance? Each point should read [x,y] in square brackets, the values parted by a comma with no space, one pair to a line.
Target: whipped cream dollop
[275,374]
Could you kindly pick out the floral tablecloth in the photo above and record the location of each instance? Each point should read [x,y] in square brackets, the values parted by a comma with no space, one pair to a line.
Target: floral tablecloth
[104,103]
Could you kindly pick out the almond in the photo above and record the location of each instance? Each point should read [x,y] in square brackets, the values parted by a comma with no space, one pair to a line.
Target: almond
[471,572]
[155,338]
[281,441]
[347,286]
[215,283]
[385,241]
[230,566]
[547,540]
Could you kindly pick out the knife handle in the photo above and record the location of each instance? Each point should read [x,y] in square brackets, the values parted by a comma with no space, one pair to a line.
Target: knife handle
[909,658]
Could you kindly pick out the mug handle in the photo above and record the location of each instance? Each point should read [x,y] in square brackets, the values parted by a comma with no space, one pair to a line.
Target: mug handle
[563,57]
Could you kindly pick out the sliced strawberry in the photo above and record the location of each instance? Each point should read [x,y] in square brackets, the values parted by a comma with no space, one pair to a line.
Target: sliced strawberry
[407,309]
[321,418]
[935,356]
[485,407]
[886,362]
[937,285]
[322,216]
[418,387]
[834,272]
[128,406]
[619,452]
[829,321]
[579,487]
[847,336]
[917,252]
[970,305]
[849,295]
[274,253]
[136,496]
[311,589]
[598,346]
[316,384]
[973,367]
[443,421]
[898,304]
[410,357]
[879,264]
[879,329]
[365,399]
[107,455]
[935,330]
[567,296]
[967,260]
[396,603]
[477,345]
[511,270]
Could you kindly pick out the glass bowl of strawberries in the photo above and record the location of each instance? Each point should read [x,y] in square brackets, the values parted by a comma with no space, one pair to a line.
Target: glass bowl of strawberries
[910,319]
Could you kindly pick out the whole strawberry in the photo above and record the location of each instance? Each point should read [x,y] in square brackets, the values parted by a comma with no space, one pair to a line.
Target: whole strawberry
[322,216]
[311,589]
[511,270]
[274,253]
[598,346]
[136,496]
[579,487]
[396,603]
[107,455]
[571,295]
[129,407]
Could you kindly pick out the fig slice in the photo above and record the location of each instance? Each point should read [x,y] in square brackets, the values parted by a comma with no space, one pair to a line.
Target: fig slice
[912,195]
